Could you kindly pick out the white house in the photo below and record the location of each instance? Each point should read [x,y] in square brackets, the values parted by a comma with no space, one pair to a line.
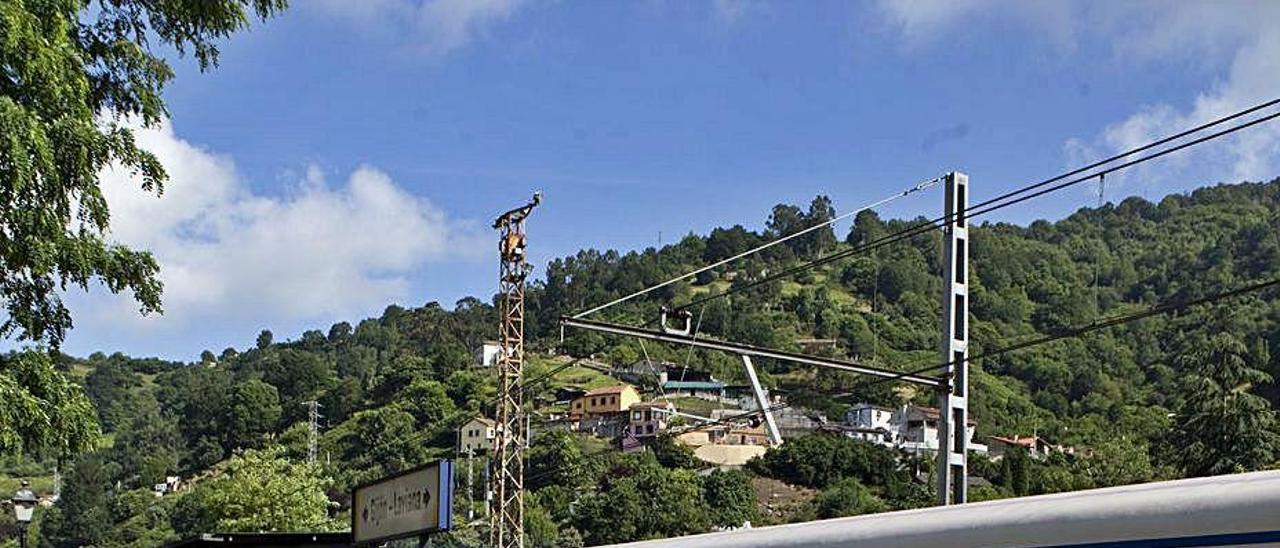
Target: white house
[872,423]
[477,435]
[487,354]
[912,428]
[919,430]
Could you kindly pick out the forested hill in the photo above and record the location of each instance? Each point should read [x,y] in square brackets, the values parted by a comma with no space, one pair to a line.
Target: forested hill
[392,388]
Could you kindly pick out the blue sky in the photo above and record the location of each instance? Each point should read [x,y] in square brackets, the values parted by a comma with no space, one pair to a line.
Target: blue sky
[347,155]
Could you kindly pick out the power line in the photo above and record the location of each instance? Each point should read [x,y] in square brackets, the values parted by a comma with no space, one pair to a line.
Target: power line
[448,424]
[757,249]
[1013,197]
[1062,334]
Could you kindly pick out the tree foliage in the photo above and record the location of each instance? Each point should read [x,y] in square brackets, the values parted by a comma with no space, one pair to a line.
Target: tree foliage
[43,411]
[1222,427]
[256,491]
[76,76]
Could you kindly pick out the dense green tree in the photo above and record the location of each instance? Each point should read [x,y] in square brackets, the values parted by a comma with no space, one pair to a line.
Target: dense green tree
[673,454]
[1118,462]
[83,516]
[109,387]
[847,497]
[820,460]
[141,519]
[555,459]
[428,402]
[647,501]
[256,491]
[1223,428]
[265,338]
[731,498]
[253,411]
[43,411]
[822,240]
[148,448]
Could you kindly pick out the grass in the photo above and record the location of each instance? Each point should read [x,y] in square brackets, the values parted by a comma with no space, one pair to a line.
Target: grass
[42,485]
[698,406]
[583,377]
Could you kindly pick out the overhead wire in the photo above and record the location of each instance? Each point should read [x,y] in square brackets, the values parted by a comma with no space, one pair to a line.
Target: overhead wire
[919,187]
[1009,199]
[993,204]
[1053,337]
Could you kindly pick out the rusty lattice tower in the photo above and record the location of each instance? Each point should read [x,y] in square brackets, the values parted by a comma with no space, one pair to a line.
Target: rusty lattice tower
[507,529]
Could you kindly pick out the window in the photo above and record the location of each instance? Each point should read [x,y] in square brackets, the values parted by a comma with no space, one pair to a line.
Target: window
[648,428]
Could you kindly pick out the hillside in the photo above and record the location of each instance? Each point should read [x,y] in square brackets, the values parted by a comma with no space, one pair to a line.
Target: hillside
[393,389]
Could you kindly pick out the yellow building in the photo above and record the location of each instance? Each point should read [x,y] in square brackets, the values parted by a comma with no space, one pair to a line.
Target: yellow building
[603,401]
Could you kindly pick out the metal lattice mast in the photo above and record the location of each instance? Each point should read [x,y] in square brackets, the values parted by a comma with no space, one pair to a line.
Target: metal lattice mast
[313,428]
[507,529]
[953,395]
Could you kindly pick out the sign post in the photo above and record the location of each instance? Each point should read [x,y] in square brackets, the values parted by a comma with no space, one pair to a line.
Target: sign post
[409,504]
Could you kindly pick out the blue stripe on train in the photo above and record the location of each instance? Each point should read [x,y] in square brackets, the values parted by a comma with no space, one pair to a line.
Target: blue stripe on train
[1199,540]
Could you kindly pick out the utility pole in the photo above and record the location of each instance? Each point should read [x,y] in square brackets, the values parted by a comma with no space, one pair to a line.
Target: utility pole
[507,529]
[953,394]
[313,429]
[471,488]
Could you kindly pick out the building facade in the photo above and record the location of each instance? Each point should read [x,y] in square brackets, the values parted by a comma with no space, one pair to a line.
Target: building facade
[477,435]
[486,355]
[606,400]
[912,428]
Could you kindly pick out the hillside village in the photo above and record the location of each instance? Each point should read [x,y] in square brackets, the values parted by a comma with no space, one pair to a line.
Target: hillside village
[729,432]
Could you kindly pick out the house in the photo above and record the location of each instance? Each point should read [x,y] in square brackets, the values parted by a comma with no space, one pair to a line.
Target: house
[918,429]
[690,383]
[795,420]
[643,370]
[871,423]
[602,401]
[650,418]
[866,415]
[746,435]
[604,425]
[171,484]
[568,394]
[477,435]
[1035,446]
[487,354]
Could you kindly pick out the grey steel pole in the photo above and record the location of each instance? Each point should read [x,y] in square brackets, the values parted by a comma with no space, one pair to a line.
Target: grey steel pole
[953,400]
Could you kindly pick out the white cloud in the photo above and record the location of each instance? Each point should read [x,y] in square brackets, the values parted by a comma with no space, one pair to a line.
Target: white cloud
[435,27]
[1236,40]
[928,22]
[1209,30]
[227,253]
